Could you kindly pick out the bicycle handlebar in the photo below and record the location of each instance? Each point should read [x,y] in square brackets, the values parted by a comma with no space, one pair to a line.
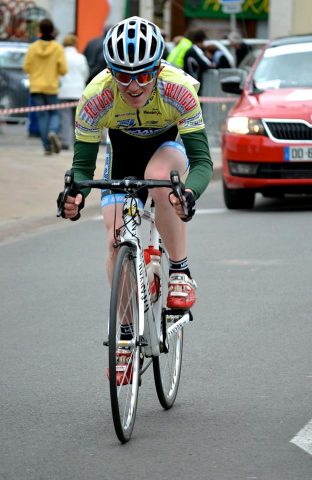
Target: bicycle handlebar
[127,185]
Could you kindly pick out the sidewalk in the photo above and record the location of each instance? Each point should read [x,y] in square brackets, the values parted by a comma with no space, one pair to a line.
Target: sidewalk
[31,181]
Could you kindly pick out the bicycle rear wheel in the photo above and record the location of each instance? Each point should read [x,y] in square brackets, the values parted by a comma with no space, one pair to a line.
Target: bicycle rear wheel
[124,316]
[167,367]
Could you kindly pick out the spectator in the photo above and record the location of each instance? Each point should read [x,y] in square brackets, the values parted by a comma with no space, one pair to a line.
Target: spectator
[94,54]
[177,54]
[196,61]
[217,57]
[72,86]
[239,47]
[45,62]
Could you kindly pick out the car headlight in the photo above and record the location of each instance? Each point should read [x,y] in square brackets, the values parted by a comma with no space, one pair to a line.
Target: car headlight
[245,126]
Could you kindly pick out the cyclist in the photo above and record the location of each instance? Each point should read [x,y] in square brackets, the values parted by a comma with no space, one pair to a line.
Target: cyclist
[155,125]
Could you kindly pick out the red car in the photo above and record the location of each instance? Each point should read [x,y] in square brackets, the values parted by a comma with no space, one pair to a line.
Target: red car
[267,136]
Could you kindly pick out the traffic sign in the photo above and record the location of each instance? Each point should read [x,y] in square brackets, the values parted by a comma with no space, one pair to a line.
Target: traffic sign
[231,6]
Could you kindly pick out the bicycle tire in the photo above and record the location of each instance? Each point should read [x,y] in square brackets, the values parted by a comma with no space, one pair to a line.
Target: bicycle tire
[124,310]
[167,367]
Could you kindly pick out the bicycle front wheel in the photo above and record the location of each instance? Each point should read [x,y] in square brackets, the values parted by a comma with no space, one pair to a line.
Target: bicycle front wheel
[167,367]
[123,339]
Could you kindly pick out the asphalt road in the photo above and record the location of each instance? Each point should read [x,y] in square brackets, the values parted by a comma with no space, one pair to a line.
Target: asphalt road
[246,380]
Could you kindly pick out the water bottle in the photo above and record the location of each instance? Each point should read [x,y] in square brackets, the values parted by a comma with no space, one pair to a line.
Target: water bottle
[155,260]
[150,274]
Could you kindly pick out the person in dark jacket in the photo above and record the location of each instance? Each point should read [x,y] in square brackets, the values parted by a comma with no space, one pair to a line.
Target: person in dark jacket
[94,55]
[216,55]
[239,47]
[196,61]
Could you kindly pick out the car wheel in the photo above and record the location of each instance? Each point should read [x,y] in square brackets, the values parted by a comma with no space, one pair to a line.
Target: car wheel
[6,100]
[238,198]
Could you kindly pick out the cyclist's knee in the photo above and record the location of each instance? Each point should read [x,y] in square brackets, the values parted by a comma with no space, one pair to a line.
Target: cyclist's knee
[163,161]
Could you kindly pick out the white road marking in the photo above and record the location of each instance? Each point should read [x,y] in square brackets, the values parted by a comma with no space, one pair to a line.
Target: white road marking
[200,211]
[303,439]
[210,211]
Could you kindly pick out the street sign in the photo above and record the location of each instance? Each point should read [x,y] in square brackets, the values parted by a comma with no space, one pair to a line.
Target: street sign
[231,6]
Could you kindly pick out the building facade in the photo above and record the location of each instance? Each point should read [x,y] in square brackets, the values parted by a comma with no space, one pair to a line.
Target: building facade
[290,17]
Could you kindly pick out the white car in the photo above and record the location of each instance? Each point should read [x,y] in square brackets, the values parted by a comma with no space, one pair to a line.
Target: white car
[14,83]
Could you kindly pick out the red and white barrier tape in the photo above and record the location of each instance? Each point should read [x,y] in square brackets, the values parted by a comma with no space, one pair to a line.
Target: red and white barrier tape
[217,99]
[59,106]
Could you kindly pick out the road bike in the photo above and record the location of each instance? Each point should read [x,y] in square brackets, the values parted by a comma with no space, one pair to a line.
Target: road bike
[141,329]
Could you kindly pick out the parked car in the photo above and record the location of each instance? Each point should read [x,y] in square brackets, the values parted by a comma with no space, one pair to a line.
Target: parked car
[267,136]
[255,46]
[14,83]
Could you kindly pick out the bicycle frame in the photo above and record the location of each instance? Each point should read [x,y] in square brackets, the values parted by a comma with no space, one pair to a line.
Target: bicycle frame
[149,323]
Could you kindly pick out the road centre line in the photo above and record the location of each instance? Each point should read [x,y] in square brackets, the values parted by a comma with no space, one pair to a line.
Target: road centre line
[303,439]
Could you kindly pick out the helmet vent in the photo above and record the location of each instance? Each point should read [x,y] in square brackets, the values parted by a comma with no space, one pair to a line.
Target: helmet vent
[131,33]
[142,49]
[131,52]
[153,46]
[120,50]
[110,47]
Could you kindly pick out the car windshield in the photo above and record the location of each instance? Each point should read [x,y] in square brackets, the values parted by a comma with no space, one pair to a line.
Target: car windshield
[285,66]
[11,58]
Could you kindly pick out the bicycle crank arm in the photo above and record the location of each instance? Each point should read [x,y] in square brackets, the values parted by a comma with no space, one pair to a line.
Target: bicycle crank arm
[187,317]
[128,343]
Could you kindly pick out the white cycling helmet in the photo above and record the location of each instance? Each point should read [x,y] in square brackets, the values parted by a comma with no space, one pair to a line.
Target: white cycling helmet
[133,45]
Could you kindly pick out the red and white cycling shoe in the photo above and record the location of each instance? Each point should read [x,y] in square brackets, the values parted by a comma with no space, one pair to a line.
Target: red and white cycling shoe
[181,291]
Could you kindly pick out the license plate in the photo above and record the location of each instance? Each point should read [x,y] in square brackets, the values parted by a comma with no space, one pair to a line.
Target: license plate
[298,154]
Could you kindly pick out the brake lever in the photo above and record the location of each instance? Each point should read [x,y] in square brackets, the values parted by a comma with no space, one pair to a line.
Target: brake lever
[178,189]
[69,189]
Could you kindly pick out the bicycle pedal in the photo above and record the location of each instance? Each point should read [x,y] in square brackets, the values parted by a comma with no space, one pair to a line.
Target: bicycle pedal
[177,313]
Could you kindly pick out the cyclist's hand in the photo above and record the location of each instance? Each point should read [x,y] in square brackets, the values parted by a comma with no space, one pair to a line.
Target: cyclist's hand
[190,202]
[72,206]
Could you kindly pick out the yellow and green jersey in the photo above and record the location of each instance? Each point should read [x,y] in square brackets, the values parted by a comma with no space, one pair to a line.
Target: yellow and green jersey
[173,104]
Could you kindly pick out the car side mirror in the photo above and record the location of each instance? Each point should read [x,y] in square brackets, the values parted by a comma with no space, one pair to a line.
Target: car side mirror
[232,80]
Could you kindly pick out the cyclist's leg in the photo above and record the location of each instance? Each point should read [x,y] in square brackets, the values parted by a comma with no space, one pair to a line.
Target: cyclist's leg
[173,232]
[171,156]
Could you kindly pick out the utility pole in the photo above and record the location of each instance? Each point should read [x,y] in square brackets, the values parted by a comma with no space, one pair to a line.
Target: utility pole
[233,22]
[146,9]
